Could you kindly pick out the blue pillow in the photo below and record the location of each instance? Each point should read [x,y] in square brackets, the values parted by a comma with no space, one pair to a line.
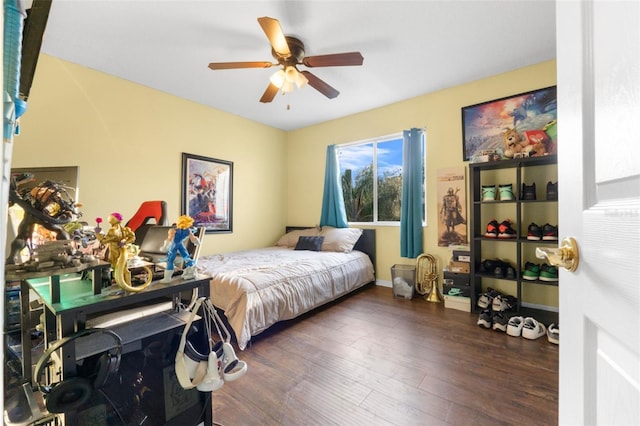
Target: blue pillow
[309,243]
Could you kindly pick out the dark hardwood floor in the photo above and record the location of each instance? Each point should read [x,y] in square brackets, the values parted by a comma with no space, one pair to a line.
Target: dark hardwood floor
[372,359]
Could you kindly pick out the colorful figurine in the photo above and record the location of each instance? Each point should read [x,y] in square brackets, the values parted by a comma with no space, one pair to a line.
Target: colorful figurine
[175,244]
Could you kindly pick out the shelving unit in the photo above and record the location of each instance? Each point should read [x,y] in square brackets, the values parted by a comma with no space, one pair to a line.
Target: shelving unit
[519,250]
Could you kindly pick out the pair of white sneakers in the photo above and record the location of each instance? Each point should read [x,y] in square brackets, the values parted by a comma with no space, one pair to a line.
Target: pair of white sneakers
[528,327]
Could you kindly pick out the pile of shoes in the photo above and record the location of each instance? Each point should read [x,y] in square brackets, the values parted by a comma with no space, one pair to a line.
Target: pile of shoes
[494,315]
[494,305]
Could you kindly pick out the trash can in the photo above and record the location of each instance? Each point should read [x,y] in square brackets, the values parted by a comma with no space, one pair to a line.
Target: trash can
[403,278]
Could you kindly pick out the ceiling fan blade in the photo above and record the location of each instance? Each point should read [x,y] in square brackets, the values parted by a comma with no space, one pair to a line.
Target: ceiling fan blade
[334,60]
[272,29]
[235,65]
[269,94]
[320,85]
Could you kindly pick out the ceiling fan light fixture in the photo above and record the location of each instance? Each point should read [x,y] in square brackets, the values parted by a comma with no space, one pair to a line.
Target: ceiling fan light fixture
[278,78]
[287,86]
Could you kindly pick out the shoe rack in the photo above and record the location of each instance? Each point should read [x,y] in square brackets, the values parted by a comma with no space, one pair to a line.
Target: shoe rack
[533,295]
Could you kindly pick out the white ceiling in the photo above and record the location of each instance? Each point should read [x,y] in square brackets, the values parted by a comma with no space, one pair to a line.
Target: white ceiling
[410,48]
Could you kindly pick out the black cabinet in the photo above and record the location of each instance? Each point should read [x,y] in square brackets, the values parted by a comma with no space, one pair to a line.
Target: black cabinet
[500,220]
[148,323]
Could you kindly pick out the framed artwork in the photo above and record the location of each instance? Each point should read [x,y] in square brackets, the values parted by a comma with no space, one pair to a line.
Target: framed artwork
[452,206]
[207,192]
[528,114]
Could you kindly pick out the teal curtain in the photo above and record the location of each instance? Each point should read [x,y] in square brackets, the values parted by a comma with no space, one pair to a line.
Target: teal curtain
[13,106]
[333,211]
[411,209]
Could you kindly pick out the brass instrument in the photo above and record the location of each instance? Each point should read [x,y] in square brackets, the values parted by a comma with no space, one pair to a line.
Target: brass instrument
[427,278]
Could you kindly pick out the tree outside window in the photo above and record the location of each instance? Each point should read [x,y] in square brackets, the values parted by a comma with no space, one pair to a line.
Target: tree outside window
[369,200]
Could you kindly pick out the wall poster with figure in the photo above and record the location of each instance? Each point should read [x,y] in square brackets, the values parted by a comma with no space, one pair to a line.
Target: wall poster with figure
[207,192]
[452,206]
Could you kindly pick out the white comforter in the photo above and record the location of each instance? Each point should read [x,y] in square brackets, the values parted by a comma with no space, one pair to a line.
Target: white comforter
[257,288]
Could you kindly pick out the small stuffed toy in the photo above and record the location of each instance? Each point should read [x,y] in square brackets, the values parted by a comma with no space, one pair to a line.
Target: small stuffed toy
[538,141]
[513,143]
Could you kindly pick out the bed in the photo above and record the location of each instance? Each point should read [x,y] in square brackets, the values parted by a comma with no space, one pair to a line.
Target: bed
[307,268]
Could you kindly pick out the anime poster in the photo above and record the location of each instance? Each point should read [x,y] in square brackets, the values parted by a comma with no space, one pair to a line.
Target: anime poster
[207,189]
[452,206]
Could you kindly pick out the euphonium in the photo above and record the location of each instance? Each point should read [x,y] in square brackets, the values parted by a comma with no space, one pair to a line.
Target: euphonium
[427,278]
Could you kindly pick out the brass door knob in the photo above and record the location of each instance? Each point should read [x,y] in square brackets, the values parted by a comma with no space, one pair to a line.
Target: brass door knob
[566,256]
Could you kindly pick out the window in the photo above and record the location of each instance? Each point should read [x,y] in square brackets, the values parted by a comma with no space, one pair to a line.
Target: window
[369,200]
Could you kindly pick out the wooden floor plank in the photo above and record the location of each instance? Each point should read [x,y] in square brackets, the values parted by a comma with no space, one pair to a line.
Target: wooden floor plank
[374,359]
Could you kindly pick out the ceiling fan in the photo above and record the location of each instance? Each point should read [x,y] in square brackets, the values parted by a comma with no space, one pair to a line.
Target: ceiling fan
[289,52]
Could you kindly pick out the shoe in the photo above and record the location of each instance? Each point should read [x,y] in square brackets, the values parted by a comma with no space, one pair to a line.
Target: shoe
[552,191]
[503,303]
[494,266]
[486,299]
[505,230]
[549,232]
[533,329]
[514,326]
[534,232]
[548,273]
[531,271]
[511,273]
[553,334]
[500,321]
[492,229]
[488,193]
[485,319]
[528,192]
[506,192]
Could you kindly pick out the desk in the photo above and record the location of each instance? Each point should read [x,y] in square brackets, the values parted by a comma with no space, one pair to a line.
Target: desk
[52,277]
[77,301]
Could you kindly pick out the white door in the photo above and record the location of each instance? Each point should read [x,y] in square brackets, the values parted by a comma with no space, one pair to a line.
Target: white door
[598,54]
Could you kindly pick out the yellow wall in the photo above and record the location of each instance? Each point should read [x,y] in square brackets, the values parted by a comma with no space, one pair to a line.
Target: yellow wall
[440,114]
[127,141]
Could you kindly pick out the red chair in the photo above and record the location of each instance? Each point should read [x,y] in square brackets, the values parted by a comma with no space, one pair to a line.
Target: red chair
[148,210]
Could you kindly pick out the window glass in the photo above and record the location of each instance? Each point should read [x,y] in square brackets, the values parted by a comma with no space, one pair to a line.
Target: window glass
[369,200]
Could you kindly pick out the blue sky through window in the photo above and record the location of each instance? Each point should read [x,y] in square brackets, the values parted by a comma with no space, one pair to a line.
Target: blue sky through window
[356,157]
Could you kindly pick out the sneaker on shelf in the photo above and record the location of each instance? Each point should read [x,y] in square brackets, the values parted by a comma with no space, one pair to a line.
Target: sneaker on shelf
[503,303]
[548,273]
[500,321]
[533,329]
[549,232]
[553,333]
[514,326]
[531,271]
[488,192]
[511,273]
[485,319]
[552,191]
[534,232]
[505,230]
[492,229]
[506,192]
[528,192]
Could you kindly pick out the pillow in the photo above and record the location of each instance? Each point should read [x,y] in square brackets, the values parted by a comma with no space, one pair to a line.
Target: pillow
[290,239]
[339,239]
[309,243]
